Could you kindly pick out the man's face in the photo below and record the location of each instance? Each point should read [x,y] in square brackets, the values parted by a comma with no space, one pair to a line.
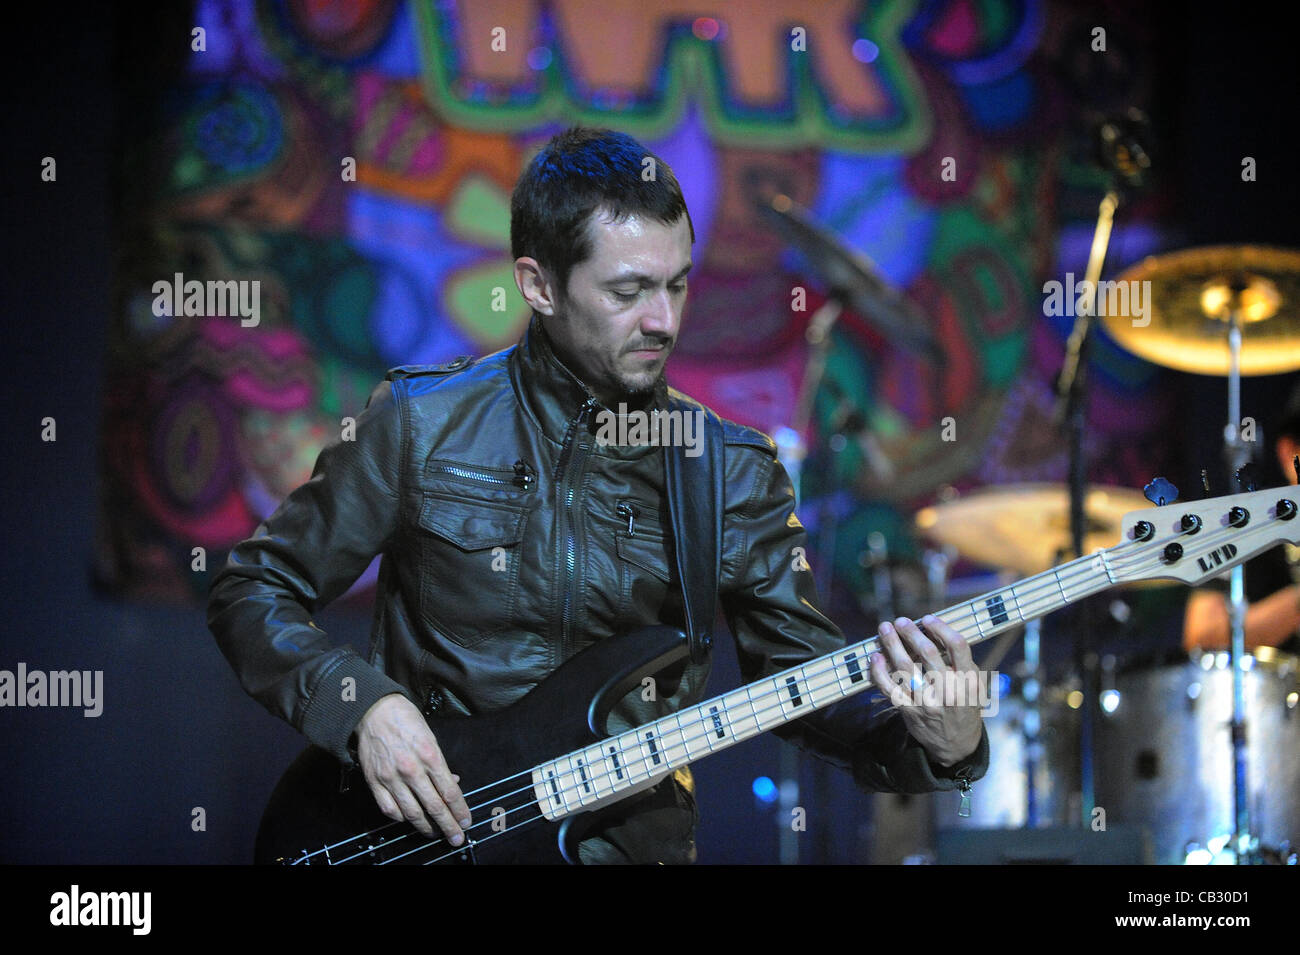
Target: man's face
[620,317]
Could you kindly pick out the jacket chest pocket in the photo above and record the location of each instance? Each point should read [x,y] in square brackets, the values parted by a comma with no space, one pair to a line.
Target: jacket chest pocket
[469,554]
[645,565]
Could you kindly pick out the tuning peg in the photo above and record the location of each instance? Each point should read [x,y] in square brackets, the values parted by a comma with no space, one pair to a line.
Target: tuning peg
[1160,492]
[1246,477]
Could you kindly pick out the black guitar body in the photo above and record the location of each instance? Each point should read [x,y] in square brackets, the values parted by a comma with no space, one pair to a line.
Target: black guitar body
[312,820]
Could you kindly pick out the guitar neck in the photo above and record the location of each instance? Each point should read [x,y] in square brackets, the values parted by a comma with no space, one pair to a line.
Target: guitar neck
[622,763]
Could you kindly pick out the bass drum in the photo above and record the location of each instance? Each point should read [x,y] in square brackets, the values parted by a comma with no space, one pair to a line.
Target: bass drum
[1001,799]
[1164,751]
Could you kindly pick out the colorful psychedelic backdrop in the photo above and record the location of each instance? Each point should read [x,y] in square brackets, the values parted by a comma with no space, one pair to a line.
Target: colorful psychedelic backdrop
[356,159]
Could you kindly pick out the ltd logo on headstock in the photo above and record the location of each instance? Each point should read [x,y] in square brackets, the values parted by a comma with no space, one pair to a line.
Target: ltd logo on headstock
[1216,557]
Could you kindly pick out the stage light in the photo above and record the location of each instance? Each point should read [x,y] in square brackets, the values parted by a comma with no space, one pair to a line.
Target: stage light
[706,28]
[864,51]
[765,790]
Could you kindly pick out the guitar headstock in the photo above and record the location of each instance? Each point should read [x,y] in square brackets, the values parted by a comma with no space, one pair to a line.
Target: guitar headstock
[1193,541]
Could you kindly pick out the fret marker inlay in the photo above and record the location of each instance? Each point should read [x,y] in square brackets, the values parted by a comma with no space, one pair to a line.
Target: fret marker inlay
[855,670]
[997,610]
[792,685]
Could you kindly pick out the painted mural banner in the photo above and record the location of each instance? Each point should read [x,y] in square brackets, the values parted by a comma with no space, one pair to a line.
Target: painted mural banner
[355,161]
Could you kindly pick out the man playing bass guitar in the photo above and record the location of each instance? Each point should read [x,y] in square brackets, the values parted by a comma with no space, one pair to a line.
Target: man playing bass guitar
[517,529]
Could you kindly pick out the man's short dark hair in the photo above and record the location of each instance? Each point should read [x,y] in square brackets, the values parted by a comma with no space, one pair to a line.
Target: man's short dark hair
[577,172]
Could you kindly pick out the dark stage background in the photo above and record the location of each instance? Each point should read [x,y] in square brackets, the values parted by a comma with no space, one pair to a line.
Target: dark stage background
[176,731]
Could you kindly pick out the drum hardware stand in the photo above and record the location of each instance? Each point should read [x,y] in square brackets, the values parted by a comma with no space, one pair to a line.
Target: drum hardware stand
[1030,670]
[1071,411]
[851,282]
[1031,724]
[1033,720]
[792,451]
[937,564]
[1237,453]
[877,562]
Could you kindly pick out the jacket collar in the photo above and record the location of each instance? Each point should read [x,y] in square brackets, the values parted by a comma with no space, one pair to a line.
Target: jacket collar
[554,396]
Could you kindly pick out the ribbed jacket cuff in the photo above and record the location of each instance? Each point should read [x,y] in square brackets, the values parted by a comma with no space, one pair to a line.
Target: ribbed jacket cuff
[336,706]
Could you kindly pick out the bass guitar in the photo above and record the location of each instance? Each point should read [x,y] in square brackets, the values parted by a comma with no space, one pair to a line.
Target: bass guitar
[537,773]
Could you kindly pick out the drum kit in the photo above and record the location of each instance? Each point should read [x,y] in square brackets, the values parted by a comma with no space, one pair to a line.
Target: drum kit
[1201,753]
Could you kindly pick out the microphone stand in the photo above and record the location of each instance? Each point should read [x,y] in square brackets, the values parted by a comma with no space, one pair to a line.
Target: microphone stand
[1120,152]
[1072,412]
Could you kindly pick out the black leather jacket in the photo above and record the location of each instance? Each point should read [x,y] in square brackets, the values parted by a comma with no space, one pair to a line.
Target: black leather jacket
[504,529]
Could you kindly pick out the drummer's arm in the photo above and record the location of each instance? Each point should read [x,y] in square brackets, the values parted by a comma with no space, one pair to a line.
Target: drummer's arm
[1269,622]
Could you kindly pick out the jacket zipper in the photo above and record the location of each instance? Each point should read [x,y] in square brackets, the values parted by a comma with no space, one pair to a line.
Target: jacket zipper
[963,778]
[627,510]
[521,475]
[572,460]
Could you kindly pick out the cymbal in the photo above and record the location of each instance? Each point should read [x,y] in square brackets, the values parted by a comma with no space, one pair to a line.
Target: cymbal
[1026,527]
[851,277]
[1181,318]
